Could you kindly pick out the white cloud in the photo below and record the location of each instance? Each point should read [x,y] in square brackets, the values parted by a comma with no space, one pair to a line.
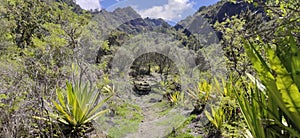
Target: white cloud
[89,4]
[173,10]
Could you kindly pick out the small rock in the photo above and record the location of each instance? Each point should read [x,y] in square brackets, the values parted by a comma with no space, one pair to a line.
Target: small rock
[153,100]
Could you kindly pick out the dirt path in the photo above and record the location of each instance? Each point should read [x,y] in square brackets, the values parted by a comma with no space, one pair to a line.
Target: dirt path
[159,118]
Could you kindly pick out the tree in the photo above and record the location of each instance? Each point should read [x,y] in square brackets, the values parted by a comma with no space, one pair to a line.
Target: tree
[38,45]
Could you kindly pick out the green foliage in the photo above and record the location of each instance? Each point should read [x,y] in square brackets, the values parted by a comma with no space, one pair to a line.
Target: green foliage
[223,115]
[275,100]
[270,103]
[40,40]
[236,59]
[2,96]
[251,110]
[124,115]
[176,98]
[78,105]
[217,118]
[282,90]
[14,93]
[26,18]
[183,131]
[200,95]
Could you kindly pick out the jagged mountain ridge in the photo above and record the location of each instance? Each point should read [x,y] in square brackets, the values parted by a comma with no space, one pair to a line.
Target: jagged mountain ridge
[194,32]
[218,12]
[213,13]
[127,20]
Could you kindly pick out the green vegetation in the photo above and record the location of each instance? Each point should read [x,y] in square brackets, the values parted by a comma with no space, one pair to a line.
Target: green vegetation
[78,109]
[280,86]
[56,62]
[200,96]
[127,118]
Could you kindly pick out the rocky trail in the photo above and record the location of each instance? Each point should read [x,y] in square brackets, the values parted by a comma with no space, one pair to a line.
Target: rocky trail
[159,120]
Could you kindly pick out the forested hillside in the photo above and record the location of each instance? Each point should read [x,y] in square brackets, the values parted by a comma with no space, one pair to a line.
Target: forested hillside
[231,69]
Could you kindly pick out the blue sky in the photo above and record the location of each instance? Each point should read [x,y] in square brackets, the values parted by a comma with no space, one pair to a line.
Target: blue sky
[196,3]
[170,10]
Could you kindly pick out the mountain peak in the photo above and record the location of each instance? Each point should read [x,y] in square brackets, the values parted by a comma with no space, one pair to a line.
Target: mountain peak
[127,12]
[124,9]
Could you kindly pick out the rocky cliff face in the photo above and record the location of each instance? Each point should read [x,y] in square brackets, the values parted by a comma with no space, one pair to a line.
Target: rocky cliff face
[222,10]
[218,12]
[127,20]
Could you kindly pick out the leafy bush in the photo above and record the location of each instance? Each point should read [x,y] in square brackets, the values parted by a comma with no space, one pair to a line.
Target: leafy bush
[224,116]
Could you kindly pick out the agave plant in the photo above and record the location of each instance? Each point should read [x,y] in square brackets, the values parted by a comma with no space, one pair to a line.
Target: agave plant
[77,106]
